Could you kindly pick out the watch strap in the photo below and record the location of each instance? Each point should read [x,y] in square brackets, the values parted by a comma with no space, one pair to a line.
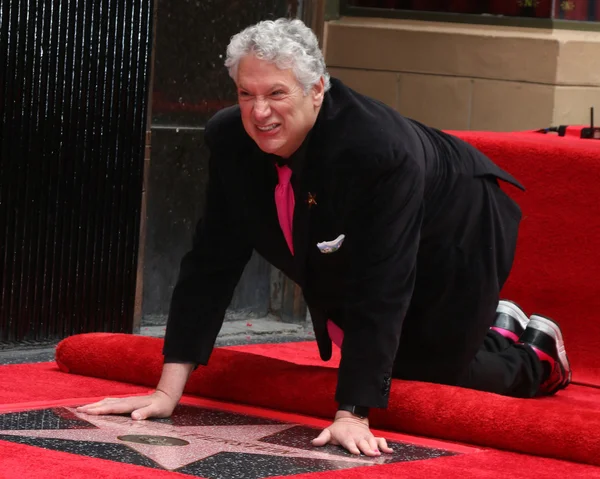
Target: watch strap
[359,411]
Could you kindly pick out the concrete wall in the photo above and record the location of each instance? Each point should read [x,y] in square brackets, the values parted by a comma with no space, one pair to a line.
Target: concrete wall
[469,77]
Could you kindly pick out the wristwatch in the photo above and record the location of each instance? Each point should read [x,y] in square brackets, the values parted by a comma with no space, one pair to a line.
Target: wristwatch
[359,411]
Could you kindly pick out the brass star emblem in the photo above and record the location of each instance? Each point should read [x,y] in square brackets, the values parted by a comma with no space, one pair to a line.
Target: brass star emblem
[311,199]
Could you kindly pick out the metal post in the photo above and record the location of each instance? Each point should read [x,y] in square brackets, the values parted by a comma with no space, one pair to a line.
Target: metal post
[313,14]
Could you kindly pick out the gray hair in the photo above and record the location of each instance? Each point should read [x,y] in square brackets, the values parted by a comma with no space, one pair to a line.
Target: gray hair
[289,44]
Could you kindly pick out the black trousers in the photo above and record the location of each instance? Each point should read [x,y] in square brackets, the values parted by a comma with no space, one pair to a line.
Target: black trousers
[446,335]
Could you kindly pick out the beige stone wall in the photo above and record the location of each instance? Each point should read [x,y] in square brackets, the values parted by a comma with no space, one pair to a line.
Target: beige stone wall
[469,77]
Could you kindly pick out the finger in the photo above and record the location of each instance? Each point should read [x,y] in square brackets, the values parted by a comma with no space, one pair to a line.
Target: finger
[148,411]
[322,438]
[366,449]
[383,446]
[373,445]
[92,405]
[350,444]
[86,407]
[142,413]
[100,403]
[109,409]
[122,407]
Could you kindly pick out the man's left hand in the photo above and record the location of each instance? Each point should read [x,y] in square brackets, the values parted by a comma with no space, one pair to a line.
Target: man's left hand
[352,433]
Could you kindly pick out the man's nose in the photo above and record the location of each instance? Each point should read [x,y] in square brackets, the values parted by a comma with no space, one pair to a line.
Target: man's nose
[262,110]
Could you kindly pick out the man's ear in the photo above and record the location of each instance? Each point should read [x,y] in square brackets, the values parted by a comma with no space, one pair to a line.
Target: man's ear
[318,92]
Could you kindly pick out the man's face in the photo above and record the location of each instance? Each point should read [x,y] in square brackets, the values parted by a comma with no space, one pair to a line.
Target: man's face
[275,111]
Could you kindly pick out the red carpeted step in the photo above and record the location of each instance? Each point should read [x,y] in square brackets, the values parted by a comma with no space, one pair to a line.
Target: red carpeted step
[303,352]
[566,426]
[557,266]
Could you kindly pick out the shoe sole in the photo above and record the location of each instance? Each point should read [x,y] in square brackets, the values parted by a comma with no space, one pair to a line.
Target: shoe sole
[552,329]
[513,310]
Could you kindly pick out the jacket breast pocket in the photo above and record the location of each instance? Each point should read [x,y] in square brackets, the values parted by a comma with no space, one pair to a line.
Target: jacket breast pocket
[329,257]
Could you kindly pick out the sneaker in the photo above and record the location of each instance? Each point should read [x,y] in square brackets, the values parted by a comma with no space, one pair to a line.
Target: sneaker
[544,336]
[510,320]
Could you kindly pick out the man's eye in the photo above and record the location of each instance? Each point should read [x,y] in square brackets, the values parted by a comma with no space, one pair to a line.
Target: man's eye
[244,93]
[277,92]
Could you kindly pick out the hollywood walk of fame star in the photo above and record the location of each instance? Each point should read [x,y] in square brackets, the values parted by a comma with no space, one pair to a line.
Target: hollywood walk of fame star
[189,438]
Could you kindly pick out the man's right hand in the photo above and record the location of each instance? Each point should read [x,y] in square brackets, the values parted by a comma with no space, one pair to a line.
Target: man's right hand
[157,404]
[160,403]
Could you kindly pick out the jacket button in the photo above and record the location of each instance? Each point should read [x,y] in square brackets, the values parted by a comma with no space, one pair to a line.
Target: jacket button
[387,383]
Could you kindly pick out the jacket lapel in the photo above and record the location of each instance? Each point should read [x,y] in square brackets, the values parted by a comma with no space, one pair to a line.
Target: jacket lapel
[301,228]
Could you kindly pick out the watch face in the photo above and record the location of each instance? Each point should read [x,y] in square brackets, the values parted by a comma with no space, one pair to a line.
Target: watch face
[361,411]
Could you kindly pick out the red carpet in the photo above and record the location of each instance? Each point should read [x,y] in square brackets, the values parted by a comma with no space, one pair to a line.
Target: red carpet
[44,464]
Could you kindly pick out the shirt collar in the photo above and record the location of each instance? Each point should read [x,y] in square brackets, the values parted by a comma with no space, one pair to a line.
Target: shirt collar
[297,161]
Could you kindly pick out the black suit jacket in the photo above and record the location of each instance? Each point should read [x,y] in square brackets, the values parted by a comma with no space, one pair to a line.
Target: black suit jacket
[377,177]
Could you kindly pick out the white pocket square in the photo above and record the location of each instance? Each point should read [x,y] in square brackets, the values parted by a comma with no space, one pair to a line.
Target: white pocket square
[331,246]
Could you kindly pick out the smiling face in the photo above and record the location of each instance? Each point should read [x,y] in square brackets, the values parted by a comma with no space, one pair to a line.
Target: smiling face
[275,111]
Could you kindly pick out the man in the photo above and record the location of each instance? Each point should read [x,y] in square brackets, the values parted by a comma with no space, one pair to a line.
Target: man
[398,234]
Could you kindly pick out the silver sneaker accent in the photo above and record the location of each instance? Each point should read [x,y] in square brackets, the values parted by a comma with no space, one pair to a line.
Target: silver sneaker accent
[552,329]
[513,310]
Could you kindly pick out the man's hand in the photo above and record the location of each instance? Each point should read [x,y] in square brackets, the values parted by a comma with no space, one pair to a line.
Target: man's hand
[157,404]
[353,434]
[160,403]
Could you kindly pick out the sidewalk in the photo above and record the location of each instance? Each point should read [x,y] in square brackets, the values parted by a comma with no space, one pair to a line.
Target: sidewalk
[249,331]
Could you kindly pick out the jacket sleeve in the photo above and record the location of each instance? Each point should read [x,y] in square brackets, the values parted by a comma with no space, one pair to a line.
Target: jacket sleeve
[383,240]
[208,274]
